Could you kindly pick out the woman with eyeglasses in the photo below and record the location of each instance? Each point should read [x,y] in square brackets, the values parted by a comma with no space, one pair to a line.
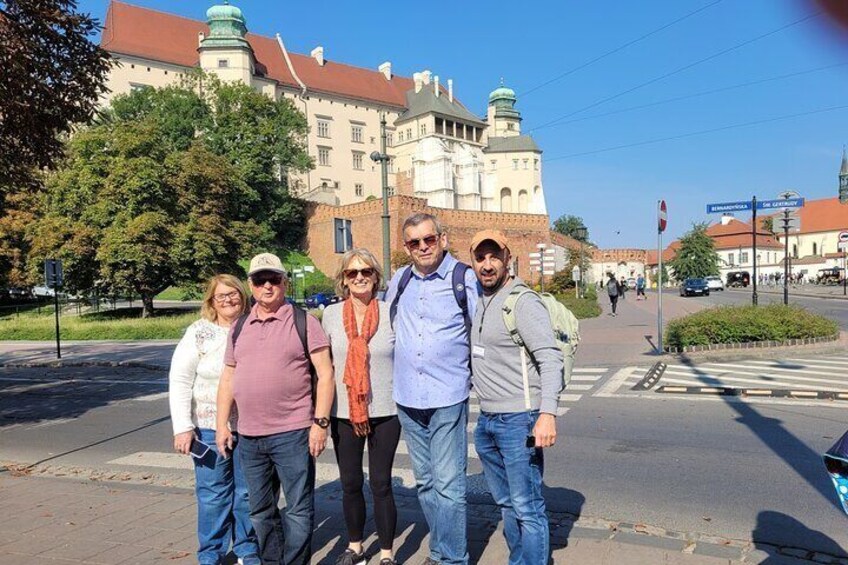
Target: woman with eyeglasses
[223,515]
[362,344]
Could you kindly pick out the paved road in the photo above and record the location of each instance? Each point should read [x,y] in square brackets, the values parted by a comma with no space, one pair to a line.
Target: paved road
[832,306]
[740,468]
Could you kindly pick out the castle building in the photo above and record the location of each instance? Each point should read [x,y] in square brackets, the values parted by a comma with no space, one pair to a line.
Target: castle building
[440,151]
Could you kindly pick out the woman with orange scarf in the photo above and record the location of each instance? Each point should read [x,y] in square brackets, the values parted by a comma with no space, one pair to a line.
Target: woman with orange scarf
[362,343]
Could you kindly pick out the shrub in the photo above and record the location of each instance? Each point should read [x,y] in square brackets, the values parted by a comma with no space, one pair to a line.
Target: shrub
[741,324]
[581,307]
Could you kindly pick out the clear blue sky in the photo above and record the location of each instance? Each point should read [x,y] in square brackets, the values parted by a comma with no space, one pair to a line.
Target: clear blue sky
[528,44]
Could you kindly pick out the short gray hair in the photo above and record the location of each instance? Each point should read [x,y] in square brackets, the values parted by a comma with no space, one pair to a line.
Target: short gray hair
[366,257]
[420,218]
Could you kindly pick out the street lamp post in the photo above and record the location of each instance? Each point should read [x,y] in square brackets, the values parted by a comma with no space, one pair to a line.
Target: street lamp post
[382,158]
[581,233]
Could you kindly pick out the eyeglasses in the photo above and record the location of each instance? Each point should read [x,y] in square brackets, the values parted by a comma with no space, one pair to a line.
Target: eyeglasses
[261,279]
[223,297]
[353,273]
[429,241]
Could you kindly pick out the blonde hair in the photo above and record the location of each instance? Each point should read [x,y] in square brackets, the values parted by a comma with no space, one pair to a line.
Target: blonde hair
[207,309]
[366,257]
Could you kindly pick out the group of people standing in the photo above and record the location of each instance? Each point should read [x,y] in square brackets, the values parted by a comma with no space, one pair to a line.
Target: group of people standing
[260,388]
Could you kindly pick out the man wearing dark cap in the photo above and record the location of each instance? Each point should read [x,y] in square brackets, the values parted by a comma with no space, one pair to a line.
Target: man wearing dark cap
[518,388]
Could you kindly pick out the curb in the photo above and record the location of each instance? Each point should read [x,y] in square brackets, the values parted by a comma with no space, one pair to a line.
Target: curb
[798,294]
[752,345]
[565,527]
[59,364]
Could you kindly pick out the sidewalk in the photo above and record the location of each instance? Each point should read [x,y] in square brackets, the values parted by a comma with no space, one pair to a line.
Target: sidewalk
[56,520]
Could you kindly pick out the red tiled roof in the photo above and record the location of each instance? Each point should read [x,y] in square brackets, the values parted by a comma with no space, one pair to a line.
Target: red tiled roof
[823,215]
[744,240]
[667,255]
[158,36]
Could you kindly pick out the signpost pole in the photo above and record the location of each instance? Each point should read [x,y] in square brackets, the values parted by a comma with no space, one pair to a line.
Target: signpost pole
[659,281]
[845,273]
[56,305]
[786,257]
[754,297]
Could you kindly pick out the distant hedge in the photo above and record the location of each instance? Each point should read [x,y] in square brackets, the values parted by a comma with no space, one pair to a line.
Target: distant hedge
[582,308]
[744,324]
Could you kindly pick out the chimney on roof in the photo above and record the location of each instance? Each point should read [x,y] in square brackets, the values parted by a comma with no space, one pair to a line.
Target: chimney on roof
[436,85]
[386,69]
[200,37]
[450,90]
[426,76]
[726,219]
[419,81]
[318,55]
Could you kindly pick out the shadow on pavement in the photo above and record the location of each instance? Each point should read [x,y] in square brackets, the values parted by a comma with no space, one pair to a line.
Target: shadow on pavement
[770,524]
[804,461]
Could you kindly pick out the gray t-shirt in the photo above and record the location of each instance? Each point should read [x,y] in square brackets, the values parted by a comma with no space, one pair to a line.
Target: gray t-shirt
[496,359]
[381,348]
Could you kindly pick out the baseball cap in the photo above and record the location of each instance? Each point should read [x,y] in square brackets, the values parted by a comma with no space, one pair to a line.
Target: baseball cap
[492,235]
[266,262]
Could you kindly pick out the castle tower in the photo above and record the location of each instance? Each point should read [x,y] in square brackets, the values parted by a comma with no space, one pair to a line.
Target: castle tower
[225,51]
[502,117]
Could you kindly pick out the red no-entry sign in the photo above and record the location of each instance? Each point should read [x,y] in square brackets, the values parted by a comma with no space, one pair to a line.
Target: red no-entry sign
[662,216]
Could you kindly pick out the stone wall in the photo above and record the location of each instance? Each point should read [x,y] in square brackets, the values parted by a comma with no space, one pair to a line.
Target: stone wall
[524,231]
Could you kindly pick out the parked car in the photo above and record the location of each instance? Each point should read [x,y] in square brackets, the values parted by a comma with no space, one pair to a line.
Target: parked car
[321,300]
[694,287]
[631,283]
[714,283]
[738,278]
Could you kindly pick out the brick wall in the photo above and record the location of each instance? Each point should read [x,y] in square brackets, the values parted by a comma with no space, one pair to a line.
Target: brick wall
[524,231]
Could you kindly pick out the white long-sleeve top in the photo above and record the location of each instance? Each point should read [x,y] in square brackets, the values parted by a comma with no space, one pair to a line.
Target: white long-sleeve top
[193,380]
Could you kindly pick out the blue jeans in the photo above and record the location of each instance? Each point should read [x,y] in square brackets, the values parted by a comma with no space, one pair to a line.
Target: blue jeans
[514,475]
[270,462]
[222,511]
[438,447]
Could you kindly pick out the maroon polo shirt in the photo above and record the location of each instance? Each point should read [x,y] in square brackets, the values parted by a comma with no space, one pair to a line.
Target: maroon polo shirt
[272,386]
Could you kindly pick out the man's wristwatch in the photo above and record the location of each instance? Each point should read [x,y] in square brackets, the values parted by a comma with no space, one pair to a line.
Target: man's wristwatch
[323,423]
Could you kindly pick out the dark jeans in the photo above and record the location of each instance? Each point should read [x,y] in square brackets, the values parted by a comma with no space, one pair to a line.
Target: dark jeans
[269,462]
[613,302]
[382,444]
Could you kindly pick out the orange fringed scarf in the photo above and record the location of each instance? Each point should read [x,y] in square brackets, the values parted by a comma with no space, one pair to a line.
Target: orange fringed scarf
[356,372]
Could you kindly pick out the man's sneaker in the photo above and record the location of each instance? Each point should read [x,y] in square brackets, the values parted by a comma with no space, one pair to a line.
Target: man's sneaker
[388,561]
[350,557]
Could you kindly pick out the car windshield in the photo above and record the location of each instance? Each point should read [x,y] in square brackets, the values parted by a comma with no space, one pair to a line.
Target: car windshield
[695,281]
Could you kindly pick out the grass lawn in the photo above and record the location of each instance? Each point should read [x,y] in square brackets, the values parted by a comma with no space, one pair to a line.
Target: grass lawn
[124,323]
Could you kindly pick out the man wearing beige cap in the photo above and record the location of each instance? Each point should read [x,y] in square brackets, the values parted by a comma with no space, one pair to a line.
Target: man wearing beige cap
[277,369]
[518,396]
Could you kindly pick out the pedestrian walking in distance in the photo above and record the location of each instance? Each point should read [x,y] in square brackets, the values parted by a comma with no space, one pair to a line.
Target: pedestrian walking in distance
[223,515]
[622,287]
[432,304]
[278,371]
[362,343]
[640,288]
[518,387]
[613,291]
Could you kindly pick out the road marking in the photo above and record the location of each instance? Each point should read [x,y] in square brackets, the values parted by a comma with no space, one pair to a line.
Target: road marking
[150,397]
[403,448]
[585,378]
[703,381]
[578,387]
[772,368]
[615,382]
[590,370]
[759,377]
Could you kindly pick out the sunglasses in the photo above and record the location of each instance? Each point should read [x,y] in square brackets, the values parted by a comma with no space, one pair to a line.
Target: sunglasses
[353,273]
[429,241]
[261,279]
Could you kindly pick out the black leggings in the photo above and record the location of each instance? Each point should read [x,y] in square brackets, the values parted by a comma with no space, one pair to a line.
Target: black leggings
[613,302]
[382,444]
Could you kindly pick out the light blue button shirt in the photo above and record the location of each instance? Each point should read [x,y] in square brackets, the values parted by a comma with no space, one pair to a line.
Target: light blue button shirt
[432,348]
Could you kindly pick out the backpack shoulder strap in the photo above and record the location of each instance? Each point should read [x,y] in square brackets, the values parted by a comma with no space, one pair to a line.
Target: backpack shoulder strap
[238,327]
[509,312]
[404,279]
[300,325]
[460,292]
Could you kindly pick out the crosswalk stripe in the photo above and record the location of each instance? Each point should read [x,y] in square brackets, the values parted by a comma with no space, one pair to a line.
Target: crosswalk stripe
[615,382]
[828,362]
[771,368]
[695,380]
[590,370]
[403,448]
[586,378]
[689,382]
[764,376]
[578,387]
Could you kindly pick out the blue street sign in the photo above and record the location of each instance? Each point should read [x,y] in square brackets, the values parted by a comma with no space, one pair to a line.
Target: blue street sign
[780,204]
[729,207]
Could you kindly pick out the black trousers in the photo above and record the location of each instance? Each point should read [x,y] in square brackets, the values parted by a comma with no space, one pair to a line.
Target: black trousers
[382,444]
[613,302]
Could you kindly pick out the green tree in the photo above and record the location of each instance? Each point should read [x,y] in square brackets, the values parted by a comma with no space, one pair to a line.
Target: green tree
[53,75]
[696,257]
[170,187]
[568,225]
[768,224]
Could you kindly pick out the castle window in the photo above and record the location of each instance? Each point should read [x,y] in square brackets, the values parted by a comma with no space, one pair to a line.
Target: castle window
[536,164]
[357,160]
[356,133]
[423,129]
[343,236]
[494,165]
[360,190]
[526,161]
[408,133]
[324,156]
[390,139]
[510,127]
[223,63]
[515,164]
[400,136]
[323,128]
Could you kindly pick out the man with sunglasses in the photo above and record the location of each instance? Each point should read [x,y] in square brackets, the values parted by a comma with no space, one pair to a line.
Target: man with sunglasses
[268,374]
[433,301]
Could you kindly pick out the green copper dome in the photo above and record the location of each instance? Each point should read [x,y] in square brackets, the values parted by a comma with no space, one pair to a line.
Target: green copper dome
[502,93]
[227,27]
[225,12]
